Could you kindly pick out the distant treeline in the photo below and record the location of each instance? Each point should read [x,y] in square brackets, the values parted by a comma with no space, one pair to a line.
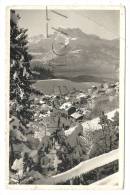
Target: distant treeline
[40,73]
[89,78]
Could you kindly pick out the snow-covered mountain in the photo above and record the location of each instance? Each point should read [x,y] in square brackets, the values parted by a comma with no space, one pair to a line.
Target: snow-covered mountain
[86,55]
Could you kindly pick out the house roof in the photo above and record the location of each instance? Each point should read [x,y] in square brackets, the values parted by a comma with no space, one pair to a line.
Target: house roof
[81,95]
[76,115]
[66,106]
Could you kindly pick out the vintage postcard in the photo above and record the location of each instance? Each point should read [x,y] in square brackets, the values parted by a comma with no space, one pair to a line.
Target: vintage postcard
[65,75]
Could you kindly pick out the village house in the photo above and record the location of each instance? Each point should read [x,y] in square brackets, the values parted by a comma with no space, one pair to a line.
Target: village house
[101,91]
[76,116]
[85,112]
[110,91]
[91,104]
[89,91]
[82,98]
[68,108]
[106,85]
[94,89]
[112,85]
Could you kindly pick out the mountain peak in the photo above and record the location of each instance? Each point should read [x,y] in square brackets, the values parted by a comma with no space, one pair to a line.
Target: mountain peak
[88,53]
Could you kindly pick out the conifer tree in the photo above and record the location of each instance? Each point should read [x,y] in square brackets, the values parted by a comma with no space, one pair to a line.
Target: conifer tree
[20,73]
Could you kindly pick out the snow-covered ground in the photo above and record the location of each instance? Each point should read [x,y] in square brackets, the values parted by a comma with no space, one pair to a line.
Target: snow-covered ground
[87,166]
[91,124]
[112,180]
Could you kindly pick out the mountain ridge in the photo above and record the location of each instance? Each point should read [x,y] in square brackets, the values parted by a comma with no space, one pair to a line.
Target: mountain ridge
[94,55]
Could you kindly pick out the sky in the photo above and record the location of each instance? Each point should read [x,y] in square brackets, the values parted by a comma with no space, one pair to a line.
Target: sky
[103,23]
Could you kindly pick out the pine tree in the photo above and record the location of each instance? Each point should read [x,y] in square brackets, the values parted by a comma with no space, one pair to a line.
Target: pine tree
[20,73]
[20,85]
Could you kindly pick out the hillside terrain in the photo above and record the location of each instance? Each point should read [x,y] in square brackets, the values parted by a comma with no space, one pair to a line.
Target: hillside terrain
[50,86]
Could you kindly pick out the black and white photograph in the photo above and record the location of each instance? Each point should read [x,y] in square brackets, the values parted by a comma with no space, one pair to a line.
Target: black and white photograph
[66,96]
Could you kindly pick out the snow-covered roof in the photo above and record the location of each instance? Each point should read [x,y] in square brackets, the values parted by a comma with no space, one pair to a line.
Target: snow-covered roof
[81,95]
[66,105]
[76,115]
[42,102]
[66,98]
[93,86]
